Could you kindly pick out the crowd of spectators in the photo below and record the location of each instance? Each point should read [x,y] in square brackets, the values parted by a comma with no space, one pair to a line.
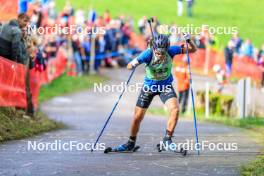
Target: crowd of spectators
[243,48]
[110,48]
[106,40]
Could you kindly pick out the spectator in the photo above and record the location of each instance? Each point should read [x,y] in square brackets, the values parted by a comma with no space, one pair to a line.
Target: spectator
[261,53]
[51,47]
[99,22]
[220,77]
[40,64]
[237,42]
[99,50]
[126,33]
[142,24]
[229,50]
[189,8]
[247,49]
[180,7]
[86,45]
[261,63]
[50,50]
[79,18]
[107,17]
[11,38]
[202,40]
[30,49]
[52,14]
[91,15]
[130,21]
[36,18]
[77,54]
[183,82]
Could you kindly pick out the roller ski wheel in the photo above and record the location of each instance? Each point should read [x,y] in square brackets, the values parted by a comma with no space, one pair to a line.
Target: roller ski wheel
[182,151]
[120,150]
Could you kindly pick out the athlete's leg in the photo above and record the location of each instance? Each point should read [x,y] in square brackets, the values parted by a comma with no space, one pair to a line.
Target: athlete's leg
[138,117]
[169,97]
[173,107]
[143,103]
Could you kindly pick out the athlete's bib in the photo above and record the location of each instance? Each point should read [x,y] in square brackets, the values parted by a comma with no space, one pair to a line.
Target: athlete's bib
[159,71]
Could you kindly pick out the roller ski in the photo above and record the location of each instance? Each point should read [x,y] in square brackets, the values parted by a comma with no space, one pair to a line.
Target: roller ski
[167,142]
[129,147]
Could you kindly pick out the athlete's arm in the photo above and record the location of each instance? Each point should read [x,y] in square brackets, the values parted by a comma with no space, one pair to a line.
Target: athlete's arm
[191,48]
[174,50]
[144,57]
[132,64]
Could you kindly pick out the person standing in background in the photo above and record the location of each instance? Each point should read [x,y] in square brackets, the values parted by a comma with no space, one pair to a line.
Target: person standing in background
[247,49]
[91,15]
[183,82]
[229,50]
[237,43]
[77,54]
[189,7]
[142,24]
[261,64]
[180,7]
[107,17]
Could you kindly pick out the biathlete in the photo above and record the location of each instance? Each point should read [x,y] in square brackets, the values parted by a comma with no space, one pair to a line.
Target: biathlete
[158,81]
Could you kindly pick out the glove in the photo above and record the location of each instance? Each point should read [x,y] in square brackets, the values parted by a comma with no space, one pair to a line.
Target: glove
[187,37]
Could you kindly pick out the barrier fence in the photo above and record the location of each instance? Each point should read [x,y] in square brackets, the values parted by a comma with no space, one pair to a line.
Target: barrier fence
[12,80]
[241,67]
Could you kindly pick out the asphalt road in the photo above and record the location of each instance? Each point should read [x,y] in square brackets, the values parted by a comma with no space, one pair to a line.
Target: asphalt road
[85,113]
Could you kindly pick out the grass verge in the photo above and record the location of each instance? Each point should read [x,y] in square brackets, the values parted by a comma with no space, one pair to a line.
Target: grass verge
[68,84]
[15,125]
[254,127]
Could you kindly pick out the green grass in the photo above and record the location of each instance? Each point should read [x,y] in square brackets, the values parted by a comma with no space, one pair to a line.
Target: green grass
[247,15]
[13,124]
[254,127]
[68,84]
[256,168]
[252,123]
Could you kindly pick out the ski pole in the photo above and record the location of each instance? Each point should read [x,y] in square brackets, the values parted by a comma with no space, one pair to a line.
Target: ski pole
[110,115]
[150,20]
[193,104]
